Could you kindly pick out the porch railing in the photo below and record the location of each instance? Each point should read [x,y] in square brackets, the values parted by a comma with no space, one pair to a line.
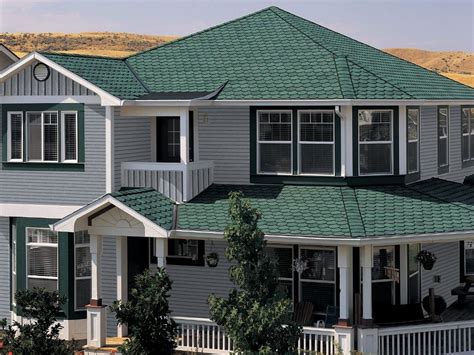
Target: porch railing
[430,339]
[203,335]
[180,182]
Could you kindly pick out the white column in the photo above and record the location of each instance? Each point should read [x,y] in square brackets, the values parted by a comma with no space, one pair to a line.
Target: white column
[161,250]
[402,139]
[366,262]
[184,135]
[403,273]
[346,112]
[122,278]
[109,149]
[96,331]
[344,263]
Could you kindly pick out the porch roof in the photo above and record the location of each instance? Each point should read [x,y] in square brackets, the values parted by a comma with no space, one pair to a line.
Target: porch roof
[429,207]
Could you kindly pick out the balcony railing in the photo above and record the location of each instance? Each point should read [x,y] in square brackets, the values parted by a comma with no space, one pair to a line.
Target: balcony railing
[180,182]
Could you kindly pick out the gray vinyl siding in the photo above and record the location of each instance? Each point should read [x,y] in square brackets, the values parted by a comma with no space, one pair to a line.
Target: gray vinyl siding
[132,142]
[192,285]
[62,187]
[446,266]
[429,145]
[23,83]
[109,280]
[4,268]
[224,137]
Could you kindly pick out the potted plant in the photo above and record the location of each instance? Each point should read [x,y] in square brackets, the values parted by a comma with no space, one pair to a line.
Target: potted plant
[426,258]
[212,259]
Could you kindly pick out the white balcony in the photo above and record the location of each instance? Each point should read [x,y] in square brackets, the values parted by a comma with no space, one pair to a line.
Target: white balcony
[178,181]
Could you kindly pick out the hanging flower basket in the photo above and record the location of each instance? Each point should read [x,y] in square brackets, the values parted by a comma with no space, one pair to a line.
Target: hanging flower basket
[426,258]
[212,259]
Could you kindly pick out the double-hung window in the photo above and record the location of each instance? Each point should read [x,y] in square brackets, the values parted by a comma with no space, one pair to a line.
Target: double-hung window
[42,128]
[413,144]
[274,142]
[467,133]
[316,142]
[69,136]
[443,136]
[15,136]
[375,142]
[42,258]
[82,269]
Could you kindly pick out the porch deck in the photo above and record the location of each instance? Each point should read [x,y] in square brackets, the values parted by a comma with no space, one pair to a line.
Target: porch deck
[455,313]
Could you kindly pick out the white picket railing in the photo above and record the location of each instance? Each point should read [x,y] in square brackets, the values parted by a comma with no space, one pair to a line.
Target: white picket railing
[429,339]
[203,335]
[178,181]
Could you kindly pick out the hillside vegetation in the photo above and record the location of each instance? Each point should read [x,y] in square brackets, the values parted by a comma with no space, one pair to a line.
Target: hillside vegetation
[455,65]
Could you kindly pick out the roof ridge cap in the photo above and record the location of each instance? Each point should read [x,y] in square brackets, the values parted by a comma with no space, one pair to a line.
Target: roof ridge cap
[81,55]
[199,32]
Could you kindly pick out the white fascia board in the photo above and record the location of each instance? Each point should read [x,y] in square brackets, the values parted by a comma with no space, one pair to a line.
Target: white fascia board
[28,99]
[315,240]
[160,103]
[36,210]
[67,223]
[106,98]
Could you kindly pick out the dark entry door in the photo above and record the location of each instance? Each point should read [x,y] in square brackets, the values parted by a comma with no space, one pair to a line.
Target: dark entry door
[167,134]
[138,258]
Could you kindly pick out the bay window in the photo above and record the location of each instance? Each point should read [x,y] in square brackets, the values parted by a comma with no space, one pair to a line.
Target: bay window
[375,142]
[274,142]
[413,144]
[467,116]
[42,258]
[316,142]
[82,269]
[443,136]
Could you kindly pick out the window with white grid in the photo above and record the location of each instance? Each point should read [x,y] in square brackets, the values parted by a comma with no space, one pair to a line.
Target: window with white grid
[42,258]
[82,269]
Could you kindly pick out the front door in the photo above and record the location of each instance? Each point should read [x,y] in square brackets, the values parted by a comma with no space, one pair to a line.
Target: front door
[138,258]
[167,134]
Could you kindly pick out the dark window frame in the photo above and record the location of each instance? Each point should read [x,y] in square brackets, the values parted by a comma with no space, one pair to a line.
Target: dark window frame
[173,259]
[443,169]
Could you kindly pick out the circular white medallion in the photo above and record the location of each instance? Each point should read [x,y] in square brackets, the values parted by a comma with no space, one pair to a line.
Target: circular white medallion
[41,72]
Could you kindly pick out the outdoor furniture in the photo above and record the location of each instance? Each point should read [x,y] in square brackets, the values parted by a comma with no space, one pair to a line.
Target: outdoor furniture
[399,314]
[463,291]
[303,313]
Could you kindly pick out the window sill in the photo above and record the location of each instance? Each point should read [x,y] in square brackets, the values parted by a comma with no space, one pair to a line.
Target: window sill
[42,166]
[443,169]
[184,261]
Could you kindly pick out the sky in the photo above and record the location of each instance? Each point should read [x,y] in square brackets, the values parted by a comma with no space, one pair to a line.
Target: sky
[425,24]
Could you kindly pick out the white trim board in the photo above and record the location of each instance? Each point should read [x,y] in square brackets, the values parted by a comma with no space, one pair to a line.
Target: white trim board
[91,100]
[36,211]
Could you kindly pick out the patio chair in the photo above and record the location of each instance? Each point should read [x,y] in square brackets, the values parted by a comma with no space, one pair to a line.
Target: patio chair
[303,313]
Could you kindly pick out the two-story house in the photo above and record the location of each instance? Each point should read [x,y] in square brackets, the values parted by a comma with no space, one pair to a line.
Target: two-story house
[355,158]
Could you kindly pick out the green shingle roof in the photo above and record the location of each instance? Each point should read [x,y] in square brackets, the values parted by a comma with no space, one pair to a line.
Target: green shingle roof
[433,206]
[149,203]
[270,54]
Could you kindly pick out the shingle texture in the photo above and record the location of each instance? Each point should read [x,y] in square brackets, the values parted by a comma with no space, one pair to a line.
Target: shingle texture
[149,203]
[433,206]
[270,54]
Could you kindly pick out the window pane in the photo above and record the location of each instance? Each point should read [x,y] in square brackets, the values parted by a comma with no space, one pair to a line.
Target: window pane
[321,264]
[34,135]
[284,260]
[375,158]
[375,126]
[465,147]
[83,262]
[16,132]
[83,293]
[275,126]
[443,151]
[42,261]
[70,136]
[317,127]
[465,121]
[316,158]
[49,285]
[39,235]
[413,265]
[50,136]
[413,118]
[412,157]
[384,260]
[81,237]
[275,158]
[319,294]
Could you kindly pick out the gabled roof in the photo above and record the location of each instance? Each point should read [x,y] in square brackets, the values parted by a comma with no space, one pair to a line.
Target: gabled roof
[267,55]
[429,207]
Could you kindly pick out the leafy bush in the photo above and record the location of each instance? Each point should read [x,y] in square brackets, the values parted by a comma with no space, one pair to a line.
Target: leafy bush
[147,316]
[256,315]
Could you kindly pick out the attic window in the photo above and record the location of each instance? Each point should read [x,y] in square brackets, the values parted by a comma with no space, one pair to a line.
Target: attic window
[41,72]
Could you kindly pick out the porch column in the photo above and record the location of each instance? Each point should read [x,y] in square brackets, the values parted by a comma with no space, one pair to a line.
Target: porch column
[161,250]
[184,135]
[122,278]
[403,273]
[344,263]
[366,262]
[96,317]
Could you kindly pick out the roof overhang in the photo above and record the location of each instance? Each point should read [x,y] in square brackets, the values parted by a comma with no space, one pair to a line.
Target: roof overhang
[76,220]
[106,98]
[5,50]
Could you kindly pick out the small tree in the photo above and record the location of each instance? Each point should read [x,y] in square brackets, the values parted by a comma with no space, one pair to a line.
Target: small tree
[41,334]
[256,315]
[147,315]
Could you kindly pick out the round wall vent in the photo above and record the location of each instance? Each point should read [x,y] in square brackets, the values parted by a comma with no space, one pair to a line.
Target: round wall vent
[41,72]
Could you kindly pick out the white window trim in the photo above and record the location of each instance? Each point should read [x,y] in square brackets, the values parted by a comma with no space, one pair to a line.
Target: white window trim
[76,278]
[63,137]
[290,142]
[9,135]
[444,136]
[333,143]
[468,134]
[417,140]
[28,160]
[375,142]
[14,261]
[55,245]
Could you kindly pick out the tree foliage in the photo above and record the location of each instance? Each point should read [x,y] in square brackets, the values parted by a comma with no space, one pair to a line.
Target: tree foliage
[147,315]
[256,315]
[40,335]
